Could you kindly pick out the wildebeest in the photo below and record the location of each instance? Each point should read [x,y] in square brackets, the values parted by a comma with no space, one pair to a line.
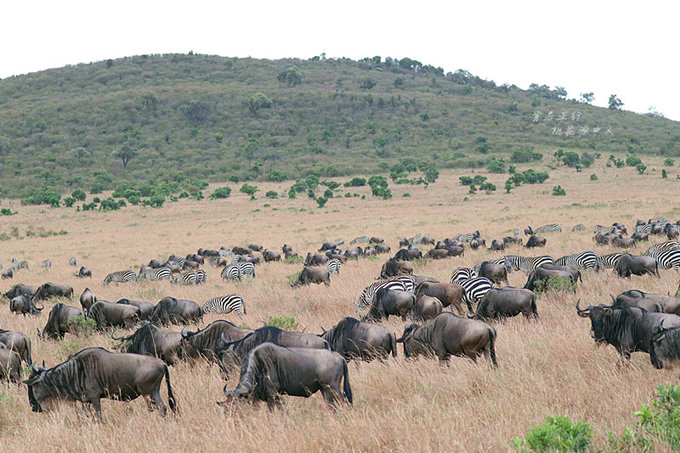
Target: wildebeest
[18,290]
[507,302]
[271,370]
[10,366]
[352,338]
[623,242]
[145,308]
[664,346]
[638,236]
[17,342]
[7,273]
[84,272]
[628,329]
[49,290]
[87,299]
[395,268]
[544,275]
[150,339]
[391,302]
[106,314]
[315,260]
[73,261]
[408,255]
[176,311]
[231,353]
[648,301]
[93,373]
[426,307]
[46,264]
[58,321]
[24,304]
[497,245]
[438,254]
[535,241]
[495,272]
[205,342]
[448,335]
[629,265]
[270,255]
[312,275]
[447,293]
[382,248]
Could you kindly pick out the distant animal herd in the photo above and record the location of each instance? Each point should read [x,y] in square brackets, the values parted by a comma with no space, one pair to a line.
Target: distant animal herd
[274,362]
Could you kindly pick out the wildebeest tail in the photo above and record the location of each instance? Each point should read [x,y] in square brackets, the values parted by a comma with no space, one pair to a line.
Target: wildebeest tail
[534,310]
[492,346]
[171,397]
[346,388]
[393,344]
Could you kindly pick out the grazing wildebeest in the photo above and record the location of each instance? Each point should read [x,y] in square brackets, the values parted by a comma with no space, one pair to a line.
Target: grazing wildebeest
[535,241]
[106,314]
[528,231]
[449,294]
[271,370]
[513,240]
[408,255]
[394,268]
[73,261]
[84,272]
[93,373]
[497,245]
[426,307]
[390,302]
[87,299]
[48,290]
[270,255]
[232,353]
[17,342]
[665,345]
[623,243]
[448,335]
[176,311]
[352,338]
[10,366]
[152,340]
[145,308]
[650,302]
[381,248]
[58,321]
[640,236]
[544,275]
[507,302]
[495,272]
[205,342]
[628,329]
[315,260]
[24,304]
[313,275]
[438,254]
[18,290]
[636,265]
[376,240]
[7,273]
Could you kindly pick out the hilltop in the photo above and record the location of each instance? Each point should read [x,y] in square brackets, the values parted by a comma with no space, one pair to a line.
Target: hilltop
[178,117]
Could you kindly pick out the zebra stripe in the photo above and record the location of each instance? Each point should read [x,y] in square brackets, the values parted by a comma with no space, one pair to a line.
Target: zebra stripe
[583,260]
[247,269]
[155,274]
[604,230]
[226,304]
[550,228]
[333,266]
[661,219]
[608,261]
[528,264]
[646,228]
[401,283]
[190,278]
[231,272]
[475,288]
[579,227]
[462,273]
[120,277]
[667,258]
[669,245]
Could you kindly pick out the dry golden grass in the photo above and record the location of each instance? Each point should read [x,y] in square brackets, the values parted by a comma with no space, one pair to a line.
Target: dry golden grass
[546,367]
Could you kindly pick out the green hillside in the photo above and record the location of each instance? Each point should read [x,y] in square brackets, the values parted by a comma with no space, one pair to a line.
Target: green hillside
[199,117]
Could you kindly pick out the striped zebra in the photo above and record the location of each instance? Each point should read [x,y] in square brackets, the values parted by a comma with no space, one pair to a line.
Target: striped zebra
[247,269]
[646,228]
[462,273]
[579,227]
[231,273]
[333,266]
[527,264]
[402,283]
[550,228]
[475,288]
[583,260]
[226,304]
[120,277]
[608,261]
[162,273]
[661,219]
[190,278]
[667,258]
[604,230]
[669,245]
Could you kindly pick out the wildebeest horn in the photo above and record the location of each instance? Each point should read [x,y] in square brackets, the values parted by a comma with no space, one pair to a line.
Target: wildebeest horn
[613,300]
[113,336]
[581,312]
[324,330]
[224,390]
[40,335]
[658,327]
[186,334]
[35,368]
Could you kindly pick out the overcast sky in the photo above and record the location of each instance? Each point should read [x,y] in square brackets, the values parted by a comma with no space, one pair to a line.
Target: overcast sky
[607,47]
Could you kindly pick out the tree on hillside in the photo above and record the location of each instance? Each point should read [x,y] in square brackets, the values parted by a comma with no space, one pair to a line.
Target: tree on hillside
[127,151]
[292,76]
[587,98]
[82,155]
[615,103]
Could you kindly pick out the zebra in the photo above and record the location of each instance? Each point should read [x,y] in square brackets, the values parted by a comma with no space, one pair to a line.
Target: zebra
[527,264]
[604,230]
[467,237]
[246,268]
[475,288]
[226,304]
[402,283]
[16,264]
[120,277]
[669,245]
[646,228]
[548,228]
[661,219]
[47,263]
[333,266]
[462,273]
[357,239]
[73,261]
[231,272]
[155,274]
[579,227]
[608,261]
[583,260]
[190,278]
[667,258]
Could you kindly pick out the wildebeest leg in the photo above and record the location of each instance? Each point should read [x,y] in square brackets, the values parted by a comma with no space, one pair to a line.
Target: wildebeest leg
[330,395]
[158,401]
[96,404]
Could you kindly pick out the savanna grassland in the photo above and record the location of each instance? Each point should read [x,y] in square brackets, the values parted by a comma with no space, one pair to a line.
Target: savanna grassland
[547,367]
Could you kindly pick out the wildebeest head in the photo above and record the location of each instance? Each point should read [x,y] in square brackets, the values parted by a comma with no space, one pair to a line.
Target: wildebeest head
[596,315]
[36,387]
[664,346]
[408,340]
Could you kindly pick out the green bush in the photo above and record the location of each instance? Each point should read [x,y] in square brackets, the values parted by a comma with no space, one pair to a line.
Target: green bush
[668,162]
[406,194]
[248,189]
[355,182]
[78,195]
[487,187]
[80,325]
[272,194]
[44,195]
[89,206]
[593,177]
[111,204]
[661,419]
[321,201]
[282,322]
[641,168]
[524,155]
[555,283]
[496,165]
[69,201]
[221,192]
[558,191]
[7,211]
[556,434]
[277,176]
[633,161]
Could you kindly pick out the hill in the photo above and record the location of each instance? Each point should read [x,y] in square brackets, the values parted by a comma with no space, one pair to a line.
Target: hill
[154,118]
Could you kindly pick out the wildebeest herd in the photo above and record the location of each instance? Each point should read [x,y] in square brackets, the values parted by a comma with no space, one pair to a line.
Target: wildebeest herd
[273,362]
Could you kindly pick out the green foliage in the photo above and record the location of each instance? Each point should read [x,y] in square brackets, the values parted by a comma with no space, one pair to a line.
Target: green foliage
[496,166]
[248,189]
[614,103]
[7,211]
[661,419]
[272,194]
[668,162]
[379,188]
[78,195]
[525,154]
[664,174]
[259,101]
[89,206]
[69,201]
[641,168]
[570,159]
[111,204]
[593,177]
[508,185]
[312,182]
[555,283]
[282,322]
[406,194]
[292,76]
[80,325]
[487,187]
[277,176]
[44,195]
[221,192]
[367,83]
[558,191]
[476,180]
[633,161]
[321,201]
[556,434]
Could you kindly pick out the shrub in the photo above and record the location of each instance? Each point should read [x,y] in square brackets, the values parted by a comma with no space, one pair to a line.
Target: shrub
[555,283]
[78,195]
[68,201]
[248,189]
[664,174]
[355,182]
[80,325]
[487,187]
[524,155]
[221,192]
[661,419]
[633,161]
[89,206]
[7,211]
[44,195]
[465,180]
[111,204]
[406,194]
[496,166]
[556,434]
[328,193]
[668,162]
[558,191]
[321,201]
[593,177]
[272,194]
[641,168]
[277,176]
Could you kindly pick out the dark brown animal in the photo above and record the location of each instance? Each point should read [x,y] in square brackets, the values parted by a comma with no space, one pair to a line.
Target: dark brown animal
[449,294]
[426,307]
[313,275]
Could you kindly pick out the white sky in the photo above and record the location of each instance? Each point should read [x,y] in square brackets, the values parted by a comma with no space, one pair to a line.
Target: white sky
[629,48]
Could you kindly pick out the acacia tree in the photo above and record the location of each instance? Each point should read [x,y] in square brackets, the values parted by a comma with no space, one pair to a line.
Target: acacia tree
[587,98]
[614,102]
[292,76]
[127,151]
